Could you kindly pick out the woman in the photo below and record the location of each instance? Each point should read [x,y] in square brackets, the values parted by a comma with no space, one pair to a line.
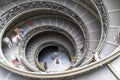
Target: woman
[15,60]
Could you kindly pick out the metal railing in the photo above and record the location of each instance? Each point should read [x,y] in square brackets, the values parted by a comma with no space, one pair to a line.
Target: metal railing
[40,5]
[104,25]
[38,30]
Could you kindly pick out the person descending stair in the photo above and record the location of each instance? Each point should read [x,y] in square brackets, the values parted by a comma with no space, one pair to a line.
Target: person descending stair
[14,60]
[7,41]
[16,38]
[19,31]
[82,48]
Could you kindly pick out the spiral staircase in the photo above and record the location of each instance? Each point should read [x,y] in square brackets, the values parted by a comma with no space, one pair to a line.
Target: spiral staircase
[54,31]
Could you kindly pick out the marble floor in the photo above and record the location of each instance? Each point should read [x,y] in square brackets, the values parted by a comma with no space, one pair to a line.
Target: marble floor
[55,64]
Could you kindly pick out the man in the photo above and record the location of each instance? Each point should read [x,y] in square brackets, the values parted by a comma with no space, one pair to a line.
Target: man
[95,56]
[15,38]
[117,37]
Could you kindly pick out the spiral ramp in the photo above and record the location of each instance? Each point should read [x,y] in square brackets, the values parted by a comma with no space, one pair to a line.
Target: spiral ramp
[60,26]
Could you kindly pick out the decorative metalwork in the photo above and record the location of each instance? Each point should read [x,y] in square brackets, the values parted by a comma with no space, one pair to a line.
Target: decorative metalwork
[104,20]
[42,29]
[40,5]
[7,16]
[38,30]
[103,14]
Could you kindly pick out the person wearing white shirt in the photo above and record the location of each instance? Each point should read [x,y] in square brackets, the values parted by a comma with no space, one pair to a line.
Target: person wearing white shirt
[7,41]
[95,56]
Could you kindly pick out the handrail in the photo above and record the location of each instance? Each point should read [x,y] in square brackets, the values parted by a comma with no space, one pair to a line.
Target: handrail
[83,56]
[104,25]
[35,31]
[28,65]
[103,29]
[104,22]
[65,73]
[10,14]
[7,16]
[40,47]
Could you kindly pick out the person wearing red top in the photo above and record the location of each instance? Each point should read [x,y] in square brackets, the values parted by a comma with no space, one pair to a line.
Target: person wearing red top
[29,22]
[15,60]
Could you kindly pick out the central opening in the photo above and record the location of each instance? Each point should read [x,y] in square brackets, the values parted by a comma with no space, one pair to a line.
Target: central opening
[51,49]
[55,57]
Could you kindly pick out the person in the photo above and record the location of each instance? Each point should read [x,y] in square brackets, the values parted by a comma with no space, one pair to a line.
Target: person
[7,41]
[14,60]
[15,38]
[55,55]
[82,48]
[95,56]
[117,37]
[19,32]
[57,61]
